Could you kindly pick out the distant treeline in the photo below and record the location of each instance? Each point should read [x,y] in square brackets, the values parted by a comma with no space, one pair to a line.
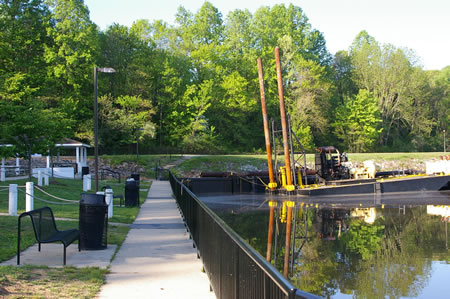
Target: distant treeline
[193,86]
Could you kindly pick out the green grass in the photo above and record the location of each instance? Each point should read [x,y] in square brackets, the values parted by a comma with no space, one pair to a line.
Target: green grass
[148,162]
[69,189]
[239,163]
[44,282]
[222,163]
[8,237]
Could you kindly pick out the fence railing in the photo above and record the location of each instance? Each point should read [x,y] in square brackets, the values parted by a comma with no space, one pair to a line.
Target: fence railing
[235,269]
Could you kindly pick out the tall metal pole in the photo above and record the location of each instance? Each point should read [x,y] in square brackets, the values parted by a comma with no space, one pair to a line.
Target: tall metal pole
[272,205]
[289,186]
[96,129]
[445,144]
[272,183]
[290,205]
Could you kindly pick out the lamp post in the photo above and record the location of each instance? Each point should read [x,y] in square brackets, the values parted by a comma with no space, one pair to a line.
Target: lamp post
[445,144]
[137,148]
[96,70]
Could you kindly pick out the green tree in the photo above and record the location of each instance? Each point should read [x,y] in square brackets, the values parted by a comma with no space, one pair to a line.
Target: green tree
[33,128]
[71,58]
[394,78]
[120,118]
[357,122]
[23,37]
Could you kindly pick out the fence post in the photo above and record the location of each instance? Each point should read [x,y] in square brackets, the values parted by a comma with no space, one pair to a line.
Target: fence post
[12,200]
[87,182]
[3,171]
[109,196]
[46,177]
[17,166]
[39,174]
[29,197]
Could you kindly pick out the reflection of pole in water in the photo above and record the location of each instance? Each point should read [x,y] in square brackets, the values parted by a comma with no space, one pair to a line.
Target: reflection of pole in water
[446,235]
[272,205]
[290,205]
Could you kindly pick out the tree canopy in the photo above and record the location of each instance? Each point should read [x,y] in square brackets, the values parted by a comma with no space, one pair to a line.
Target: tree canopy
[194,85]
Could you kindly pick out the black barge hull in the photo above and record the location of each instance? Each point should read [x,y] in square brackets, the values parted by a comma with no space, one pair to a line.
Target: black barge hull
[419,183]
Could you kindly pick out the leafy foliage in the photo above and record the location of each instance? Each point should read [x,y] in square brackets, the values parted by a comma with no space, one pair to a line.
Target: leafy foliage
[198,80]
[357,122]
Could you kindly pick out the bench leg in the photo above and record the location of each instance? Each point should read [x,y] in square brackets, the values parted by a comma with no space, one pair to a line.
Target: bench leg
[64,255]
[39,246]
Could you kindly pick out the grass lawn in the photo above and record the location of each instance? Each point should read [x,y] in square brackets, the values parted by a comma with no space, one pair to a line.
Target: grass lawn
[44,282]
[239,163]
[148,162]
[71,190]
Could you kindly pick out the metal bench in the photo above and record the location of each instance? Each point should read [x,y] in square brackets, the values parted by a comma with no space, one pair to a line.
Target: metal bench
[45,230]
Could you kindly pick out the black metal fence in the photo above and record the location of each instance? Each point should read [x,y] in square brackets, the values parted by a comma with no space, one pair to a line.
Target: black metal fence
[235,270]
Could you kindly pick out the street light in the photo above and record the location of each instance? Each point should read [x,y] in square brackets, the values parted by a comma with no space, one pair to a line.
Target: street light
[96,70]
[137,148]
[445,144]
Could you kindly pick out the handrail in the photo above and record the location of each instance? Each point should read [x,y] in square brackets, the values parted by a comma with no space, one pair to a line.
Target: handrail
[235,269]
[113,173]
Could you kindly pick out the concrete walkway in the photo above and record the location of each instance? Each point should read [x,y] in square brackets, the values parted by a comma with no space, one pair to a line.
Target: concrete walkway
[157,259]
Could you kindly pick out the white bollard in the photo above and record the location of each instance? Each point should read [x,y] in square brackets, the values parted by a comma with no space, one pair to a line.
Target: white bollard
[29,197]
[3,171]
[109,195]
[85,182]
[46,178]
[89,182]
[39,178]
[17,166]
[12,200]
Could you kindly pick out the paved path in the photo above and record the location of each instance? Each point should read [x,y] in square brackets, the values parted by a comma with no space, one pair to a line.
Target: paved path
[157,259]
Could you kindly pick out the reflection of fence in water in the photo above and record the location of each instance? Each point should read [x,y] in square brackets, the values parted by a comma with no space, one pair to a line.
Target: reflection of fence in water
[233,267]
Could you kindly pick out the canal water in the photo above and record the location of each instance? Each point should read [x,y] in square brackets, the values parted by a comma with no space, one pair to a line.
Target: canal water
[394,245]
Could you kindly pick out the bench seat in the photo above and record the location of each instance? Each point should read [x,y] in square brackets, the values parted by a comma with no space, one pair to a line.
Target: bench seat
[45,230]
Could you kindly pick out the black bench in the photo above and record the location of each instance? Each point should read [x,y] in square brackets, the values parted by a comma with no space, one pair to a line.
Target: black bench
[45,230]
[120,197]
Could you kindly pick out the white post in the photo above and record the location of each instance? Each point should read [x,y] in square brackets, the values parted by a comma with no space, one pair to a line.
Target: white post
[12,199]
[109,195]
[46,177]
[3,171]
[39,178]
[85,182]
[29,197]
[48,161]
[17,166]
[89,182]
[77,150]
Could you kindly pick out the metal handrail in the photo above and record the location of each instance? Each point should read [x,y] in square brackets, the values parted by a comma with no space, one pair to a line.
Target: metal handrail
[245,267]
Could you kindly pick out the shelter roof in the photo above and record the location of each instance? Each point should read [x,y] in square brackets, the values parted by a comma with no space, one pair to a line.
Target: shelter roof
[71,143]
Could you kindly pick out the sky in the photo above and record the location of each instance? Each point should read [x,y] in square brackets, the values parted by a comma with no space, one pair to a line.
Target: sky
[419,25]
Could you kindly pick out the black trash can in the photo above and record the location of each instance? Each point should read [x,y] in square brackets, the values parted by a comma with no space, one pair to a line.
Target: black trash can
[93,222]
[84,171]
[136,177]
[131,193]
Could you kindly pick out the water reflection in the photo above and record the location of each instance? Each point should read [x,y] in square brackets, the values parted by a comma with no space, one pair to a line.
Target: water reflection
[363,247]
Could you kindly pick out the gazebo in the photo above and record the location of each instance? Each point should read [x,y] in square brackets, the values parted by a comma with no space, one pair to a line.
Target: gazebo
[64,169]
[80,154]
